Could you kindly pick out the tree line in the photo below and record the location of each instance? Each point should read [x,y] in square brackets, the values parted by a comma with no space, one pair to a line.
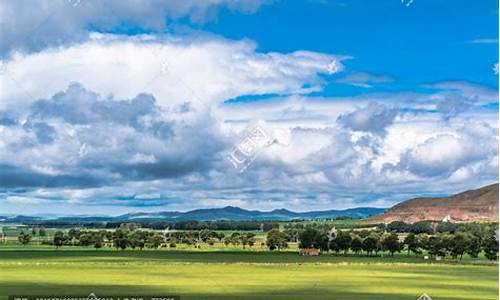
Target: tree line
[134,238]
[445,239]
[373,242]
[161,225]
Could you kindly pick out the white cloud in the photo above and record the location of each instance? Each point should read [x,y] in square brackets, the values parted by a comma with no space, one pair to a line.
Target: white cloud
[200,71]
[372,118]
[29,25]
[142,122]
[365,80]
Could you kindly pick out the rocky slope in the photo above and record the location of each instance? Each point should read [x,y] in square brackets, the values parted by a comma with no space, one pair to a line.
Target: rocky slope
[473,205]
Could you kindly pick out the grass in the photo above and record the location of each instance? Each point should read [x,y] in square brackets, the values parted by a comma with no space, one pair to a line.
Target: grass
[240,275]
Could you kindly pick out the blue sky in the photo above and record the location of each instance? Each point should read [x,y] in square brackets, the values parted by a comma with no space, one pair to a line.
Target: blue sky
[112,107]
[424,42]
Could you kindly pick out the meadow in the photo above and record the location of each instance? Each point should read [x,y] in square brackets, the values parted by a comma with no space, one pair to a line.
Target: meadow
[239,275]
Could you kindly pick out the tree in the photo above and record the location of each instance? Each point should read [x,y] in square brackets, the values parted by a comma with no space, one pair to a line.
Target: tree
[59,239]
[391,243]
[155,241]
[292,234]
[370,244]
[356,244]
[412,244]
[211,242]
[423,241]
[332,245]
[421,227]
[74,234]
[98,240]
[33,231]
[235,238]
[459,244]
[24,238]
[137,239]
[436,246]
[474,247]
[490,246]
[309,238]
[322,242]
[220,236]
[247,239]
[446,227]
[120,239]
[313,238]
[276,240]
[398,226]
[86,239]
[343,241]
[41,232]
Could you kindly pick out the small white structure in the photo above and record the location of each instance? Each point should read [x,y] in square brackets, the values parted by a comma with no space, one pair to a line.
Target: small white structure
[447,219]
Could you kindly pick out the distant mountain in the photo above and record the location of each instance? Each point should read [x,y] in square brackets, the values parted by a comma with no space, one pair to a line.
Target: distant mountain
[238,214]
[473,205]
[229,213]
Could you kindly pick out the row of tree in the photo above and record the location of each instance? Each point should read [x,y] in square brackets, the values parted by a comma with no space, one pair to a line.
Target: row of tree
[472,242]
[161,225]
[128,237]
[442,244]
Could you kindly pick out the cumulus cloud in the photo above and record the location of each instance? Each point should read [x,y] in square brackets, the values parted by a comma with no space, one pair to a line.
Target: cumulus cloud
[34,25]
[444,154]
[201,71]
[78,132]
[471,91]
[110,121]
[372,118]
[451,107]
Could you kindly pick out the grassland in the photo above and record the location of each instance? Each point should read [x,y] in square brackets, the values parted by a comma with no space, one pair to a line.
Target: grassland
[239,275]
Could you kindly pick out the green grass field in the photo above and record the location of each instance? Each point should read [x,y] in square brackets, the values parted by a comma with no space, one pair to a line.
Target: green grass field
[240,275]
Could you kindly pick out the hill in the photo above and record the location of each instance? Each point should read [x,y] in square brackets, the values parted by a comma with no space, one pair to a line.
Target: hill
[238,214]
[473,205]
[229,213]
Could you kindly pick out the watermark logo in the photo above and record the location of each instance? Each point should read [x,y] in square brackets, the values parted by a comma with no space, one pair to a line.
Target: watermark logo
[407,2]
[164,67]
[245,152]
[254,140]
[74,3]
[92,296]
[424,296]
[333,67]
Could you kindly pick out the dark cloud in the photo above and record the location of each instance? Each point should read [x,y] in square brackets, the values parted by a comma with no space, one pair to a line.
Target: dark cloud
[374,118]
[79,106]
[119,139]
[18,177]
[6,119]
[452,107]
[44,133]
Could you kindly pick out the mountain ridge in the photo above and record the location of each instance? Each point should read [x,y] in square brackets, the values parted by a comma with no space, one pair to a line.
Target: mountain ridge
[229,213]
[468,206]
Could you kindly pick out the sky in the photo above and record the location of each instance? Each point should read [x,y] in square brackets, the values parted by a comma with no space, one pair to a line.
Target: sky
[110,107]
